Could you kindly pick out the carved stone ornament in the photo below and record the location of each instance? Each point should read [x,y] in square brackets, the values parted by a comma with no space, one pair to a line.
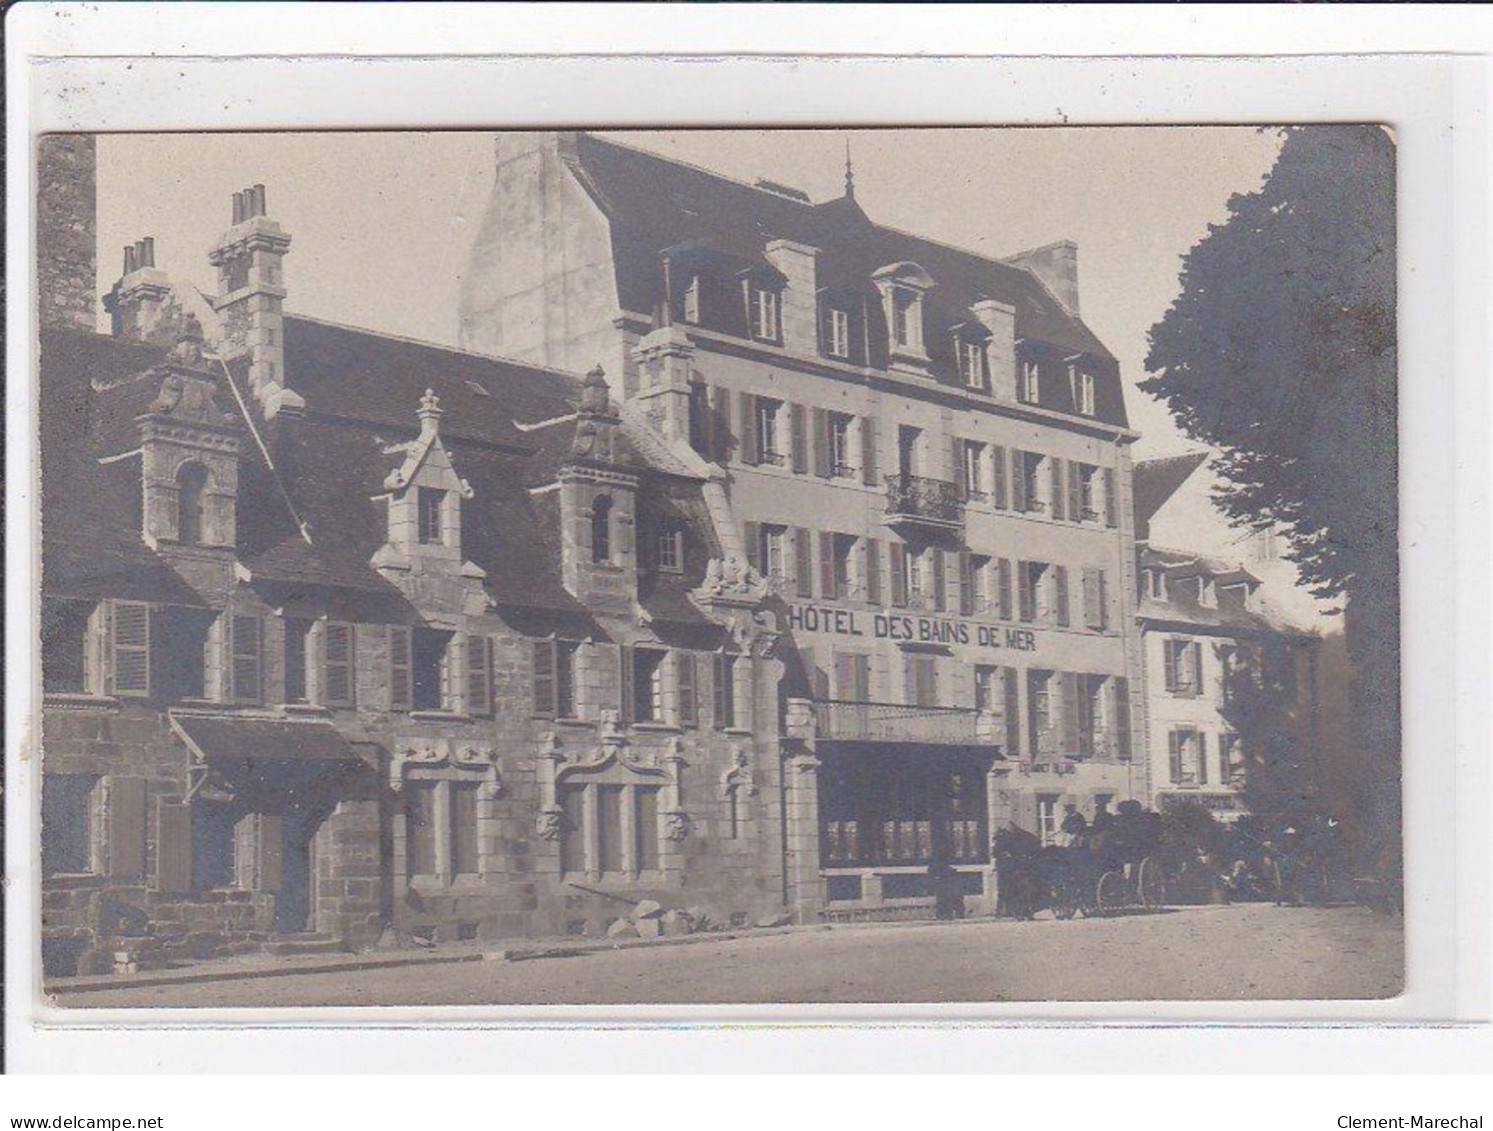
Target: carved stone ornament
[732,578]
[676,825]
[430,752]
[548,824]
[739,775]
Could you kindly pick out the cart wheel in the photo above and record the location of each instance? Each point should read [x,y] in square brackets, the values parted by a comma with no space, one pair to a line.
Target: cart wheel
[1110,893]
[1152,884]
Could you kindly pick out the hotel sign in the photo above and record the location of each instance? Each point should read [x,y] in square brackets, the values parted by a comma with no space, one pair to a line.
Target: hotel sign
[909,628]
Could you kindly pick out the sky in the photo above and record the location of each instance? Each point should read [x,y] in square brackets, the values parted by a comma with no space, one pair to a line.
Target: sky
[381,223]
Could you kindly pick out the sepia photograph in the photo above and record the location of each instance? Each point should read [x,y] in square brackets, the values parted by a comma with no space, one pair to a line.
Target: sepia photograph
[710,567]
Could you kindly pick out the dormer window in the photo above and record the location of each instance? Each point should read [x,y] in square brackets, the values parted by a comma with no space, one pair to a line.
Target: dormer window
[1153,584]
[601,530]
[906,323]
[837,332]
[902,287]
[431,503]
[1031,382]
[970,352]
[671,550]
[1086,394]
[191,482]
[762,312]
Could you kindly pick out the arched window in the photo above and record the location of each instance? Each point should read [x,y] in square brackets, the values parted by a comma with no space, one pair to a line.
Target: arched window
[601,529]
[190,482]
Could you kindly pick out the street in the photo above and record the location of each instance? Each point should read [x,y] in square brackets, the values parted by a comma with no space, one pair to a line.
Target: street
[1248,951]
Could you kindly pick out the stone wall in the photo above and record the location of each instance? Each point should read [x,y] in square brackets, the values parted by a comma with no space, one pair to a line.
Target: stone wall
[66,235]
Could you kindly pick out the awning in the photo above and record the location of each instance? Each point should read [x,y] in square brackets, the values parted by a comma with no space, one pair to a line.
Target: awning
[214,738]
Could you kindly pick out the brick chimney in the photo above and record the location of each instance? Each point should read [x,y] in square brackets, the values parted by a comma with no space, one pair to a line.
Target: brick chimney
[251,300]
[139,303]
[1000,352]
[665,360]
[1056,264]
[799,264]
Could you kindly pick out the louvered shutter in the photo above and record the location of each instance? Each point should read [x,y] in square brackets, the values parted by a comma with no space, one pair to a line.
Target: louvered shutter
[626,676]
[823,448]
[129,648]
[1012,681]
[1070,691]
[1026,592]
[689,703]
[798,438]
[337,648]
[803,561]
[1174,750]
[1003,587]
[956,468]
[1121,717]
[999,470]
[940,582]
[173,847]
[1111,508]
[966,584]
[246,633]
[125,799]
[479,675]
[546,685]
[401,674]
[898,571]
[1202,757]
[1060,593]
[1092,615]
[1075,491]
[753,537]
[720,423]
[1169,664]
[828,589]
[868,450]
[1019,499]
[871,547]
[1101,586]
[1196,675]
[722,691]
[1055,466]
[750,451]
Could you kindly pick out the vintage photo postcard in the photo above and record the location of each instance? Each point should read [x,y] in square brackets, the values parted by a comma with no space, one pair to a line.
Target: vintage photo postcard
[586,568]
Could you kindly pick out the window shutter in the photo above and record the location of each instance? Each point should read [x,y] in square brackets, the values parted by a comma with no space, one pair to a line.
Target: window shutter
[1012,681]
[1018,480]
[1121,717]
[940,582]
[689,702]
[1174,749]
[720,424]
[126,827]
[750,450]
[1202,757]
[753,537]
[479,675]
[803,561]
[1169,663]
[868,450]
[956,467]
[798,438]
[1026,592]
[129,648]
[828,589]
[823,449]
[1092,616]
[1075,491]
[966,584]
[173,847]
[1056,466]
[1111,509]
[1070,713]
[1003,587]
[246,632]
[338,643]
[546,684]
[626,676]
[998,478]
[721,690]
[871,547]
[1196,650]
[1101,588]
[899,576]
[401,682]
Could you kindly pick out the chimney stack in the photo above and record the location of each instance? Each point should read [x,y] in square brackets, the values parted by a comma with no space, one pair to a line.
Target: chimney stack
[251,300]
[139,304]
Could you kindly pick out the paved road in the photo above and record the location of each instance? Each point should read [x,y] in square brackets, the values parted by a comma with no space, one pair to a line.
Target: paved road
[1242,952]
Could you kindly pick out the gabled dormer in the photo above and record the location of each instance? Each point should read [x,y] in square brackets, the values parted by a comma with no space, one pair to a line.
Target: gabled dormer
[423,496]
[903,287]
[598,508]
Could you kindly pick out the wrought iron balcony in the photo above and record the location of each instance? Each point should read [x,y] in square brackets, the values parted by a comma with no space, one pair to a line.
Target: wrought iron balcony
[844,720]
[913,500]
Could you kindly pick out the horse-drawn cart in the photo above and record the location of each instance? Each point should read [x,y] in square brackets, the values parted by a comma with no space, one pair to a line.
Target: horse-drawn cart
[1115,869]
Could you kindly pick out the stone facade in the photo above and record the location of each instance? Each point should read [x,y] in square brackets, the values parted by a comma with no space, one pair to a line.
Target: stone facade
[66,230]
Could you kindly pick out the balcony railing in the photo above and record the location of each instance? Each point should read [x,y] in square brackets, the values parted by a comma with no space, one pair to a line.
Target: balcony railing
[848,721]
[917,500]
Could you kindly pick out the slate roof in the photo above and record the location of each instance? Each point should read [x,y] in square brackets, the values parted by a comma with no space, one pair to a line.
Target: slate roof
[1183,607]
[1156,481]
[361,390]
[718,227]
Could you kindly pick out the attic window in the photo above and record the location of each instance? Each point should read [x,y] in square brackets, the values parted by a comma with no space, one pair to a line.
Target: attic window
[431,502]
[762,312]
[907,309]
[476,387]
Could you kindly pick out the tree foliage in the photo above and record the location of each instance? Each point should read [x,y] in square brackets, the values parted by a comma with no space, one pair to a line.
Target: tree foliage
[1280,352]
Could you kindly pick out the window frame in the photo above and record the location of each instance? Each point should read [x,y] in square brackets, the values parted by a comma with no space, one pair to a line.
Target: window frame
[764,314]
[837,333]
[634,847]
[669,549]
[1031,382]
[427,498]
[970,355]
